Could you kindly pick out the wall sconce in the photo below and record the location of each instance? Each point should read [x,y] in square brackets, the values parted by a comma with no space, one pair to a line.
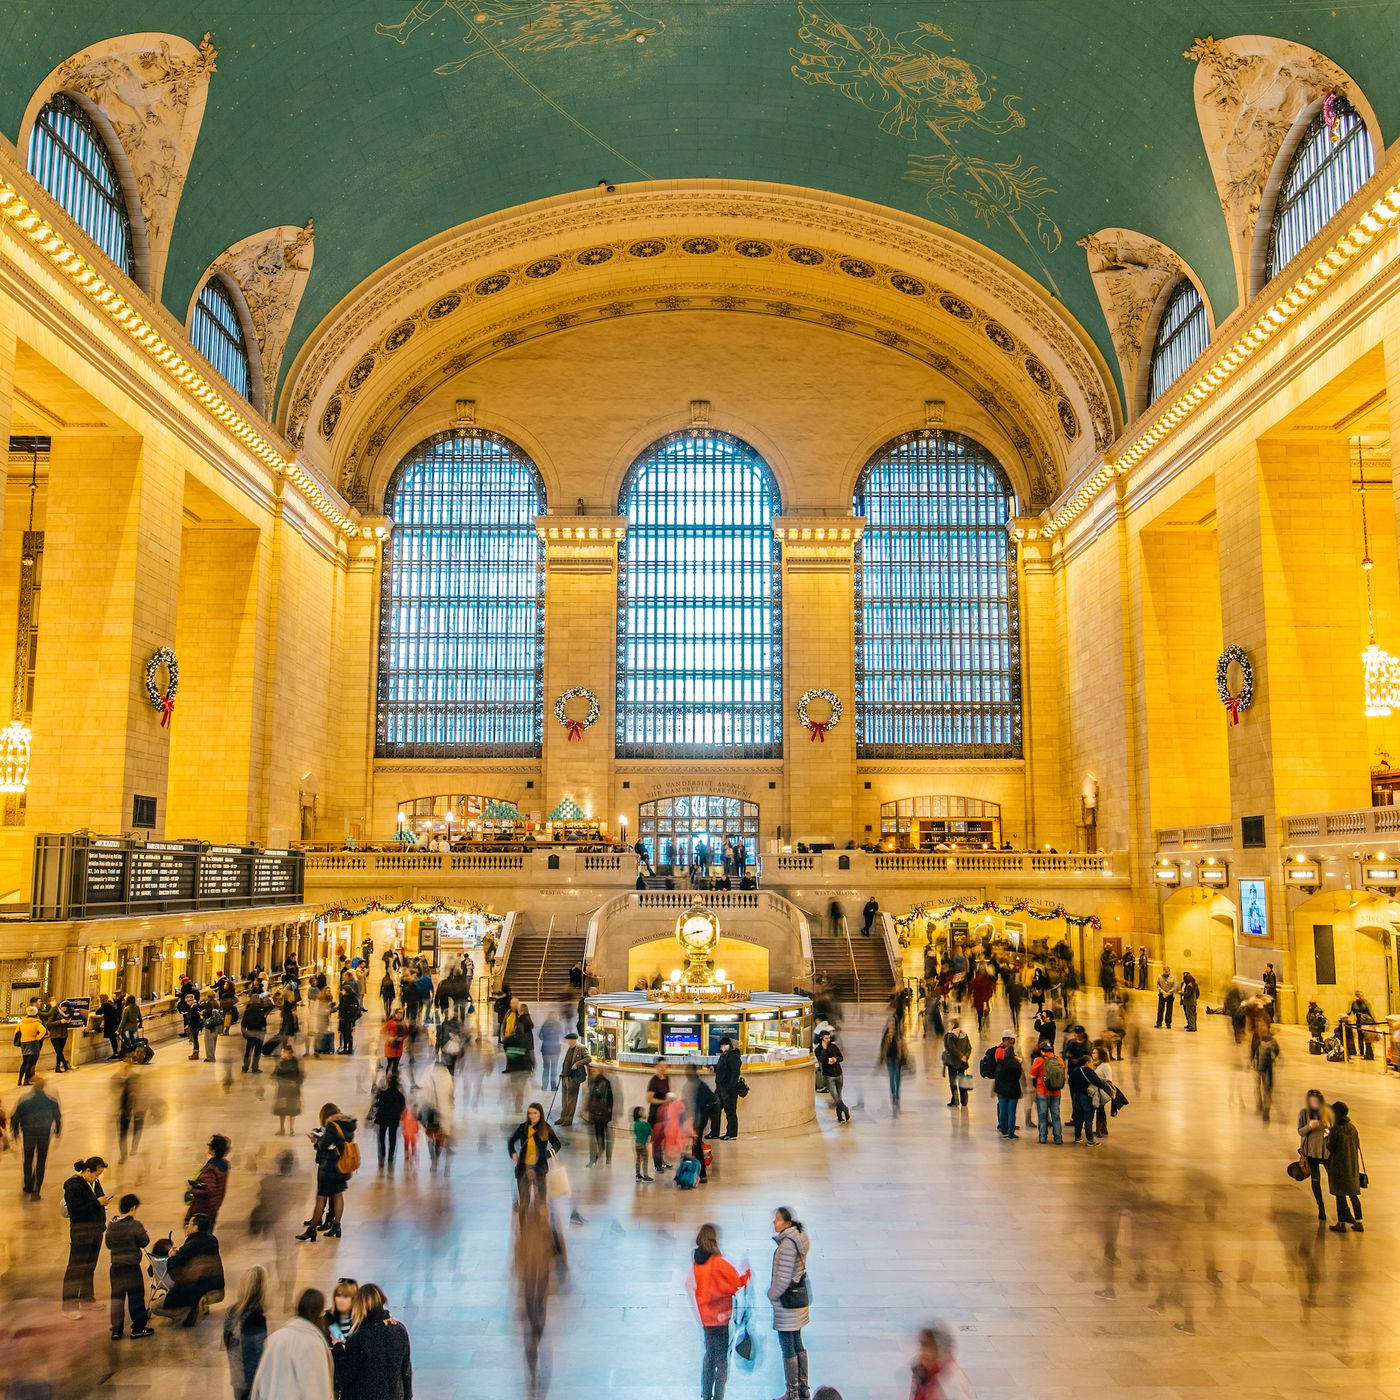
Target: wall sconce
[1166,873]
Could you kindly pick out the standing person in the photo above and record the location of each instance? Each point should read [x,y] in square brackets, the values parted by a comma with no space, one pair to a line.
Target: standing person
[126,1238]
[551,1046]
[519,1041]
[211,1025]
[657,1092]
[386,1112]
[1006,1084]
[867,916]
[957,1060]
[56,1024]
[1166,996]
[1083,1083]
[598,1114]
[191,1018]
[374,1361]
[386,993]
[1314,1121]
[572,1074]
[287,1077]
[347,1012]
[30,1038]
[1344,1173]
[209,1185]
[830,1059]
[1265,1057]
[1048,1072]
[789,1294]
[1129,973]
[728,1073]
[36,1119]
[1190,995]
[86,1208]
[641,1142]
[129,1027]
[1361,1015]
[1142,969]
[713,1283]
[337,1158]
[1270,981]
[893,1056]
[245,1331]
[339,1319]
[393,1033]
[296,1361]
[254,1025]
[110,1016]
[531,1146]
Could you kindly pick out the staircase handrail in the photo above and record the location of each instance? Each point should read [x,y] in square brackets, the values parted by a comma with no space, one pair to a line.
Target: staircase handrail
[892,949]
[502,953]
[544,959]
[851,953]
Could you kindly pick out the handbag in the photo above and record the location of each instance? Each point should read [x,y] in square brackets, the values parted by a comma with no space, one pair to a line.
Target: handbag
[965,1080]
[556,1183]
[1297,1170]
[742,1088]
[797,1294]
[1364,1180]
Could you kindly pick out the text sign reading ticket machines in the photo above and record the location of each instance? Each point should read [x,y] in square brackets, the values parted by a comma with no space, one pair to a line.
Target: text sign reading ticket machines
[80,876]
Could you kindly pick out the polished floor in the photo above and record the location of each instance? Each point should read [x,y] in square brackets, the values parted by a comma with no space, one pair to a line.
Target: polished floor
[1175,1259]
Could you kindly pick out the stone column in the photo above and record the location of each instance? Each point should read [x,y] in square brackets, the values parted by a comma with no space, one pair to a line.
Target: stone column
[348,788]
[819,654]
[580,649]
[111,576]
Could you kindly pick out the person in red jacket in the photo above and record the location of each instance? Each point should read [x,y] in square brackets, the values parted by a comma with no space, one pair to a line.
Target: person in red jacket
[714,1282]
[936,1375]
[209,1186]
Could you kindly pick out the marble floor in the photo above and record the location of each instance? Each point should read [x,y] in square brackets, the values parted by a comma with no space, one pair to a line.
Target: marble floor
[1175,1259]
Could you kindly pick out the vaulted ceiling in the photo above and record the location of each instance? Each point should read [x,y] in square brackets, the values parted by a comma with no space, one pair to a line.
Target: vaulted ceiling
[1022,124]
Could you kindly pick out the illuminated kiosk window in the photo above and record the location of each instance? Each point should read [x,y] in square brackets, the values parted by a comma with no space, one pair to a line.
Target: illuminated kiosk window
[1322,175]
[461,619]
[216,331]
[938,658]
[672,827]
[920,823]
[699,620]
[70,159]
[1183,332]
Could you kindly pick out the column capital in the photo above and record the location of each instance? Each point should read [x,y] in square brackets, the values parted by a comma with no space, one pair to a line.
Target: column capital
[581,543]
[818,541]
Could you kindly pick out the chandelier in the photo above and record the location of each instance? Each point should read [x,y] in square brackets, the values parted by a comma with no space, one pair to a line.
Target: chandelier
[1381,671]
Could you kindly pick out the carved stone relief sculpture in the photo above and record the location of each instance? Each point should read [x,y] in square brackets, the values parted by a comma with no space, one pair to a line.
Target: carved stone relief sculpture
[270,269]
[1253,93]
[152,89]
[1132,273]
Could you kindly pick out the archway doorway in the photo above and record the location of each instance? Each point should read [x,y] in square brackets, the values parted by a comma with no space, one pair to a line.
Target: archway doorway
[672,827]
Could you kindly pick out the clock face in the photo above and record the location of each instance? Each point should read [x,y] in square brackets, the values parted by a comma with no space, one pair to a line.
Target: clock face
[698,932]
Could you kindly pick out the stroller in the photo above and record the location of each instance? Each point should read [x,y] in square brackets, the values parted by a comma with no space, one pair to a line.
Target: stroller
[141,1050]
[158,1268]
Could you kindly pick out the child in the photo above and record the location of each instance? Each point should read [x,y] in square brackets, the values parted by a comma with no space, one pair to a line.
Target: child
[126,1238]
[641,1142]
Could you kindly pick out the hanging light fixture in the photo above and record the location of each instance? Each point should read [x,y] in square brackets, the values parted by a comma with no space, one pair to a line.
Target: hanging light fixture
[16,738]
[1380,669]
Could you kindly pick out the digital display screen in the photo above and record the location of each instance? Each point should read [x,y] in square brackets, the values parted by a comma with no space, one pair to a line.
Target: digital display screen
[680,1040]
[1254,907]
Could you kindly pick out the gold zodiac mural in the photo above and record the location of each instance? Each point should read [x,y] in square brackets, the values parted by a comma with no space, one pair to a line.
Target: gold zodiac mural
[917,86]
[494,26]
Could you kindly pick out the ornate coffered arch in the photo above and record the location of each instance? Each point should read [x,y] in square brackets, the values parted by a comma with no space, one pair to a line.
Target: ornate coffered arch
[545,267]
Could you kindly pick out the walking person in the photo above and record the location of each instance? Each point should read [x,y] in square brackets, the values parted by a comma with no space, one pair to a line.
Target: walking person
[36,1119]
[29,1036]
[790,1296]
[1190,996]
[132,1106]
[245,1331]
[957,1061]
[1345,1176]
[728,1074]
[598,1114]
[713,1283]
[287,1077]
[935,1375]
[531,1146]
[86,1208]
[1166,996]
[386,1110]
[830,1059]
[209,1185]
[573,1072]
[126,1238]
[337,1159]
[1007,1073]
[893,1056]
[375,1361]
[1314,1121]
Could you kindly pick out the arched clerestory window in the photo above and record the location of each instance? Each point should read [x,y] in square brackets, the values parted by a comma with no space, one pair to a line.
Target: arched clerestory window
[461,617]
[216,331]
[69,158]
[1331,161]
[1183,332]
[699,615]
[938,655]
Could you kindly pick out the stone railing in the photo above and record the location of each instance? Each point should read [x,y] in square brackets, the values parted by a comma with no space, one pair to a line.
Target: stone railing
[1175,838]
[1343,826]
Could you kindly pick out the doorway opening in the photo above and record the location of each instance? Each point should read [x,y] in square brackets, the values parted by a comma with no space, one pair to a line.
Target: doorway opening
[672,828]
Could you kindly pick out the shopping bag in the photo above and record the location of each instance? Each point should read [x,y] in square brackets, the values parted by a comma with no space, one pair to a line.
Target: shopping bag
[557,1183]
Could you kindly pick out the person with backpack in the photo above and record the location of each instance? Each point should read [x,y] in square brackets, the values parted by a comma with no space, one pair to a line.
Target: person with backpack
[337,1160]
[957,1057]
[1048,1072]
[1007,1071]
[598,1114]
[713,1283]
[790,1294]
[211,1024]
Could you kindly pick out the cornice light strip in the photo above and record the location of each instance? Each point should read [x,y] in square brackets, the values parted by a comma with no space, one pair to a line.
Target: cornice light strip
[122,314]
[1374,222]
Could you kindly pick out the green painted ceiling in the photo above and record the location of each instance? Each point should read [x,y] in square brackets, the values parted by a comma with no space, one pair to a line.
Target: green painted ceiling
[1024,123]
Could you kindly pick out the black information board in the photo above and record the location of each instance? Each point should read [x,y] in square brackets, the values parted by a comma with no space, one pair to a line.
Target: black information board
[80,876]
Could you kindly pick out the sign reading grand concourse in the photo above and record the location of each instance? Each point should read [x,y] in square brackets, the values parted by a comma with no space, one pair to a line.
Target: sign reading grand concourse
[94,877]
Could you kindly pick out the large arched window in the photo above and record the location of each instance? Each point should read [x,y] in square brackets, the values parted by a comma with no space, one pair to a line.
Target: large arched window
[938,657]
[461,614]
[69,158]
[1183,332]
[1323,174]
[699,622]
[216,331]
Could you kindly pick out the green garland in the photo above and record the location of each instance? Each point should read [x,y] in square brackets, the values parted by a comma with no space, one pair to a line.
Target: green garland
[922,911]
[376,906]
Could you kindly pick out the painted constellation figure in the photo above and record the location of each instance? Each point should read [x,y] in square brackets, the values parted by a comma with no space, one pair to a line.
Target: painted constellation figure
[527,25]
[916,86]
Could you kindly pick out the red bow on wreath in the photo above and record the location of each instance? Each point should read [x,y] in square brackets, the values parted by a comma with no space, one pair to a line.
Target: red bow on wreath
[819,728]
[1232,704]
[167,708]
[575,728]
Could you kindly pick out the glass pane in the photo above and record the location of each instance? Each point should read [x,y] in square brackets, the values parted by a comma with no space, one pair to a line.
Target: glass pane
[216,331]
